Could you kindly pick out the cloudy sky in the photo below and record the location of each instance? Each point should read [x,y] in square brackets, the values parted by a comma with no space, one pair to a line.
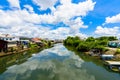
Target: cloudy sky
[57,19]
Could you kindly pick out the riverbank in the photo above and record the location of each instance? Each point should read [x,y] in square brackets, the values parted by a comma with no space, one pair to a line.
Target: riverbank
[95,59]
[32,47]
[17,57]
[15,52]
[95,47]
[110,51]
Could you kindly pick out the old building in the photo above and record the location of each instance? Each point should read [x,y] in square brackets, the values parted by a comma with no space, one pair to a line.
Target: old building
[3,46]
[9,38]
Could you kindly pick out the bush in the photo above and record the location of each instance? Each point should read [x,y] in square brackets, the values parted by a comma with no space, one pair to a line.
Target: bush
[117,51]
[101,48]
[90,43]
[83,47]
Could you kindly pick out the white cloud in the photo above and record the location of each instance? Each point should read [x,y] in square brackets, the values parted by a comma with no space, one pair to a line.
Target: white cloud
[113,19]
[17,17]
[29,8]
[60,33]
[67,11]
[107,31]
[23,22]
[64,12]
[44,4]
[76,24]
[14,3]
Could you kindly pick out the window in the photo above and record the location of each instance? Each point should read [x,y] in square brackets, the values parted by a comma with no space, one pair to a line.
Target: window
[10,38]
[6,38]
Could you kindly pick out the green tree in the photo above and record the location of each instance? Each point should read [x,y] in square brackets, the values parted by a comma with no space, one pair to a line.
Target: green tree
[83,47]
[90,39]
[112,38]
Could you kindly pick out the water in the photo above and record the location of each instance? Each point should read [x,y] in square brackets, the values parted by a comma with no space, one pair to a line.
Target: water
[56,63]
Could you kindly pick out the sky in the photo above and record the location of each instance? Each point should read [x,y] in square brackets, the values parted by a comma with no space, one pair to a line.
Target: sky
[57,19]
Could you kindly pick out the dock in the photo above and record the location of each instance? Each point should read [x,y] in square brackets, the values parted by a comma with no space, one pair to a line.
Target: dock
[113,62]
[114,65]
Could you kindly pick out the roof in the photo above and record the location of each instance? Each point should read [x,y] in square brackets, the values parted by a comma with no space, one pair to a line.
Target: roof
[113,62]
[25,40]
[36,39]
[106,55]
[6,35]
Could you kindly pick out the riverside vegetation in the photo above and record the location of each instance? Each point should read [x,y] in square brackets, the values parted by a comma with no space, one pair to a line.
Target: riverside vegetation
[85,45]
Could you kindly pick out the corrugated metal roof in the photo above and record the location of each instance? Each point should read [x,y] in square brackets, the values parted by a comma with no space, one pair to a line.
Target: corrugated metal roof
[113,62]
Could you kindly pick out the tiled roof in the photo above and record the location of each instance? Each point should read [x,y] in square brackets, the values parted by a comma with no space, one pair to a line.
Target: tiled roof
[36,39]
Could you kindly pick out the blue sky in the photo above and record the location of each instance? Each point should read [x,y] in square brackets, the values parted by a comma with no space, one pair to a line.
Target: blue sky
[57,19]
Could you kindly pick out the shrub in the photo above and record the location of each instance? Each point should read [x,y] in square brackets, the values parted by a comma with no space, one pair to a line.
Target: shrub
[83,47]
[117,51]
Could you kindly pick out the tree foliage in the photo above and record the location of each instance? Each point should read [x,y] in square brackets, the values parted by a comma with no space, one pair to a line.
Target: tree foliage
[90,43]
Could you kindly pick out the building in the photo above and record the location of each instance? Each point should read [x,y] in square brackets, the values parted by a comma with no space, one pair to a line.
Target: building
[36,40]
[3,46]
[114,44]
[12,43]
[25,43]
[9,38]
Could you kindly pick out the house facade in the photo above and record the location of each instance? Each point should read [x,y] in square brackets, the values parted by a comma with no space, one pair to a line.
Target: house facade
[11,43]
[3,46]
[9,38]
[114,44]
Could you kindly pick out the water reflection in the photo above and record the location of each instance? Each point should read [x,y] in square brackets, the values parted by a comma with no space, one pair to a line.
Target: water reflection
[13,59]
[56,63]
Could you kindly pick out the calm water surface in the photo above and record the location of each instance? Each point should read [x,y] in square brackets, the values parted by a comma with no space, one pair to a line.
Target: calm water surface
[56,63]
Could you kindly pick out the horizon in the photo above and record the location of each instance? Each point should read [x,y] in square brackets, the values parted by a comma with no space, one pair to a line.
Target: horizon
[58,19]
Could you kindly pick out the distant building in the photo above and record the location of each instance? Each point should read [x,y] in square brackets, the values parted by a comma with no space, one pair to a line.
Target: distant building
[3,46]
[114,44]
[9,42]
[36,40]
[25,43]
[9,38]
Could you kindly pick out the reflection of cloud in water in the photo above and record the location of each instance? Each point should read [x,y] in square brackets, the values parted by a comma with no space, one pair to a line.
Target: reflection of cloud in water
[58,50]
[50,69]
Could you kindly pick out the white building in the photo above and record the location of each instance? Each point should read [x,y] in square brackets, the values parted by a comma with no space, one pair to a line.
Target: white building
[9,38]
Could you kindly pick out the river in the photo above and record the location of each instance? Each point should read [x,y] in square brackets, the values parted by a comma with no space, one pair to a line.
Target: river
[56,63]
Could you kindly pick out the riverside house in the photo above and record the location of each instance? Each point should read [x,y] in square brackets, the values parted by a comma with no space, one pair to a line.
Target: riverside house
[37,41]
[114,44]
[9,38]
[3,46]
[9,42]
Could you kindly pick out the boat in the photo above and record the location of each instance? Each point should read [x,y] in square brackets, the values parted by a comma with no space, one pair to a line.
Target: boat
[107,56]
[113,65]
